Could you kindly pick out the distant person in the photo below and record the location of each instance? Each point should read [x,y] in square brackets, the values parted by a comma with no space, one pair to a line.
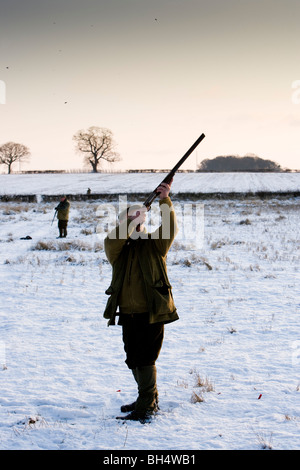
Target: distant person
[140,290]
[63,210]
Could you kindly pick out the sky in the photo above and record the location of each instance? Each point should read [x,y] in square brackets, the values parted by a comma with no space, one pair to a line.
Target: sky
[157,73]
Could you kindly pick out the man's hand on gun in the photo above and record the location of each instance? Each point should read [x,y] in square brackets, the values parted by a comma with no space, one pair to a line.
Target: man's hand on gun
[164,189]
[139,215]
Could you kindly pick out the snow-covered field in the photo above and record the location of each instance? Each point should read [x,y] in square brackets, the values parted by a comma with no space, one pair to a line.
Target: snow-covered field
[145,182]
[228,372]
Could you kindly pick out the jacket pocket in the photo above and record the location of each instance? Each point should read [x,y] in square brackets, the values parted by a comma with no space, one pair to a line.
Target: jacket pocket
[162,297]
[109,291]
[162,287]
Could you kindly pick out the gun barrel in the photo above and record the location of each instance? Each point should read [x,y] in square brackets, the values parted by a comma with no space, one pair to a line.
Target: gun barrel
[170,175]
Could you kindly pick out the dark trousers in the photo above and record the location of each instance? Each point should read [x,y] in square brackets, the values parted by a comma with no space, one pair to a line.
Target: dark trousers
[62,227]
[142,341]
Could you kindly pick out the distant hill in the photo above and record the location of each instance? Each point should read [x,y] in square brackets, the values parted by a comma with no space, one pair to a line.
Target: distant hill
[231,163]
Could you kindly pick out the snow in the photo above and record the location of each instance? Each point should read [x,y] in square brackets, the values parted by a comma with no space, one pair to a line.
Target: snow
[62,371]
[111,183]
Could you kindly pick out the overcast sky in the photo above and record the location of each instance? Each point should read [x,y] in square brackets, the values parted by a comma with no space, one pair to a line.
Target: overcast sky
[157,73]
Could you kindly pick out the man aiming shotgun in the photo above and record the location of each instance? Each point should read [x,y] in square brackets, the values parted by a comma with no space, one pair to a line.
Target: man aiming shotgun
[140,291]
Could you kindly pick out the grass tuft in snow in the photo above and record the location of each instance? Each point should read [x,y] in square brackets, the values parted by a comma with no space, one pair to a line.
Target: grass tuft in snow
[79,245]
[265,442]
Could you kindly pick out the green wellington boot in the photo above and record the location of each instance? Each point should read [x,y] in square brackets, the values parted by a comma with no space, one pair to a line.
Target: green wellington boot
[146,403]
[130,406]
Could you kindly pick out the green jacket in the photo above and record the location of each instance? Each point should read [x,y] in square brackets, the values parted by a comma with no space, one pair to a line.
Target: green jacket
[139,279]
[63,210]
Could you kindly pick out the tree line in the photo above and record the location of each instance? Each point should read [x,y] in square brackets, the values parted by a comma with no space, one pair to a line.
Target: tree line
[96,144]
[231,163]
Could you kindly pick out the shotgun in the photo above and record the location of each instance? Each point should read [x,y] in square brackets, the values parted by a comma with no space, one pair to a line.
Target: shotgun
[54,216]
[170,175]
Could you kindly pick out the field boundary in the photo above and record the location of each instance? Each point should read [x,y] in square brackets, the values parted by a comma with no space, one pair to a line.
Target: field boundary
[140,196]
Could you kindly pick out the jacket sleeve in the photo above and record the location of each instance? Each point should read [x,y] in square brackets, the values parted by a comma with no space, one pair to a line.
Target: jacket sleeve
[164,236]
[116,239]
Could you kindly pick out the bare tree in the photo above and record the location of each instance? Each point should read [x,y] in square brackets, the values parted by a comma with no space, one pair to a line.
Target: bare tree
[96,143]
[12,152]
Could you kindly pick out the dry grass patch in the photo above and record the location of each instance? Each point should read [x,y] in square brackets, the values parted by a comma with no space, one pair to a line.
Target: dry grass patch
[204,385]
[77,245]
